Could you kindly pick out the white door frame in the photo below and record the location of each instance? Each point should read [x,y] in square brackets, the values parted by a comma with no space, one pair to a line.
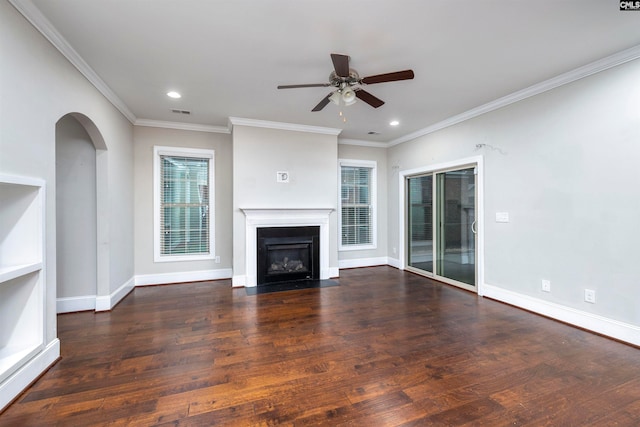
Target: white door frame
[478,162]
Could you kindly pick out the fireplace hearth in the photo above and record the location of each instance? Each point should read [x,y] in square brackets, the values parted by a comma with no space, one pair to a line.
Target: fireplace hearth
[287,254]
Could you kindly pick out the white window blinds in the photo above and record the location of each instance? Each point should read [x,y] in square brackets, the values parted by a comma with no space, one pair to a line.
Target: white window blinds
[183,218]
[184,211]
[356,205]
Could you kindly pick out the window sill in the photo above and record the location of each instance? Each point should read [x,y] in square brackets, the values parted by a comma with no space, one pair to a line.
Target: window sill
[178,258]
[357,248]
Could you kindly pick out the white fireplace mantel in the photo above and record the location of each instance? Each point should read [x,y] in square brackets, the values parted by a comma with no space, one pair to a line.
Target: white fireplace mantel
[294,217]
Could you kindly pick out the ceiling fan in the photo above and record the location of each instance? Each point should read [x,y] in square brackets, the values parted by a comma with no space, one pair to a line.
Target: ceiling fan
[346,82]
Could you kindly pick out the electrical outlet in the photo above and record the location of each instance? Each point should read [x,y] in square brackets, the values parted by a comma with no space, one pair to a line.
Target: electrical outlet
[394,251]
[217,260]
[590,296]
[546,285]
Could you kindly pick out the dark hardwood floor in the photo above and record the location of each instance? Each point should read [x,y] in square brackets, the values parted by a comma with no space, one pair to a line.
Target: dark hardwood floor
[385,348]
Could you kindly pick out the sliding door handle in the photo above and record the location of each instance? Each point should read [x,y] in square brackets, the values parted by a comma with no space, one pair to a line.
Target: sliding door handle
[473,228]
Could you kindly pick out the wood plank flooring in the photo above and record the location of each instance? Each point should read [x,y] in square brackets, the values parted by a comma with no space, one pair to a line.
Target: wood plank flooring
[385,348]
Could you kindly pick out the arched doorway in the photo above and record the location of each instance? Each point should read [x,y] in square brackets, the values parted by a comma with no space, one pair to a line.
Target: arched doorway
[78,198]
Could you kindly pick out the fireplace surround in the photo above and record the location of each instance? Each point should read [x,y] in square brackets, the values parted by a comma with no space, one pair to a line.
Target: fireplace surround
[286,217]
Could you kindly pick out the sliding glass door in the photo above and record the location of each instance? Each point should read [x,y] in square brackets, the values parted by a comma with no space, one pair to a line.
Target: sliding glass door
[456,247]
[441,218]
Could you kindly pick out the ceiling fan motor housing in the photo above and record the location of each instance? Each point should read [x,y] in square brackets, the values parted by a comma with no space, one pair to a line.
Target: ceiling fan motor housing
[340,82]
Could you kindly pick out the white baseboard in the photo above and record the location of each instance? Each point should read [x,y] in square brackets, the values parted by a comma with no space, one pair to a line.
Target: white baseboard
[19,380]
[612,328]
[180,277]
[334,272]
[362,262]
[239,281]
[73,304]
[107,302]
[394,262]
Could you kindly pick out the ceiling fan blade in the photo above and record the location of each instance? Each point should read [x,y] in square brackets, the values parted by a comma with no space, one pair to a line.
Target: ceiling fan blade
[340,64]
[304,85]
[368,98]
[322,103]
[388,77]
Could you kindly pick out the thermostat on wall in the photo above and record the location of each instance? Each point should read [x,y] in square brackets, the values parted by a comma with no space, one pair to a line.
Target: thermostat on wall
[282,176]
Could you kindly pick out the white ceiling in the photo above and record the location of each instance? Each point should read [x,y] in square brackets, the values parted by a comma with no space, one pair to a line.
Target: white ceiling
[226,57]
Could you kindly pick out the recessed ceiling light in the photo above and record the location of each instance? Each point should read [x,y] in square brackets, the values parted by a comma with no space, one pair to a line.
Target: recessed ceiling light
[174,94]
[394,123]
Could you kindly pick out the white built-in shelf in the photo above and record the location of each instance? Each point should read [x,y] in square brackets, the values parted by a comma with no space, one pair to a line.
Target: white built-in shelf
[22,289]
[13,357]
[11,272]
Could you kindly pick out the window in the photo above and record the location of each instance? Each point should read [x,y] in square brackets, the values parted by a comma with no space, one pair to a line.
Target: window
[357,204]
[183,192]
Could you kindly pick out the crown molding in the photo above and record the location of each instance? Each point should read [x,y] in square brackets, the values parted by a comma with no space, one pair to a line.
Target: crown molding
[362,143]
[42,24]
[181,126]
[238,121]
[536,89]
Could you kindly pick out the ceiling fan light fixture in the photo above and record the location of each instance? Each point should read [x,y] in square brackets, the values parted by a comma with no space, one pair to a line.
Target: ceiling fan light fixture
[335,98]
[348,96]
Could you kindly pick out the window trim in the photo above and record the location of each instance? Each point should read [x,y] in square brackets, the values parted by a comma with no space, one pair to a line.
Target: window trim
[182,152]
[373,188]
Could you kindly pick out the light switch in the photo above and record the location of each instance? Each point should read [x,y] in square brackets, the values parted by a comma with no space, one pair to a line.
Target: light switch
[502,216]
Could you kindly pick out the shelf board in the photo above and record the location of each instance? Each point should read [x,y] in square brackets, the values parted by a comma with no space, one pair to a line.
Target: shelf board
[21,180]
[10,272]
[13,357]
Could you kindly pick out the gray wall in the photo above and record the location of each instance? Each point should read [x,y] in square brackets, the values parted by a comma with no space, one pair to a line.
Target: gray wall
[39,86]
[76,228]
[311,160]
[379,155]
[564,165]
[145,139]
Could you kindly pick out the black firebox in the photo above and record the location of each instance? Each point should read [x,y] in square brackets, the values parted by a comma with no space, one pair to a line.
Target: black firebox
[287,254]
